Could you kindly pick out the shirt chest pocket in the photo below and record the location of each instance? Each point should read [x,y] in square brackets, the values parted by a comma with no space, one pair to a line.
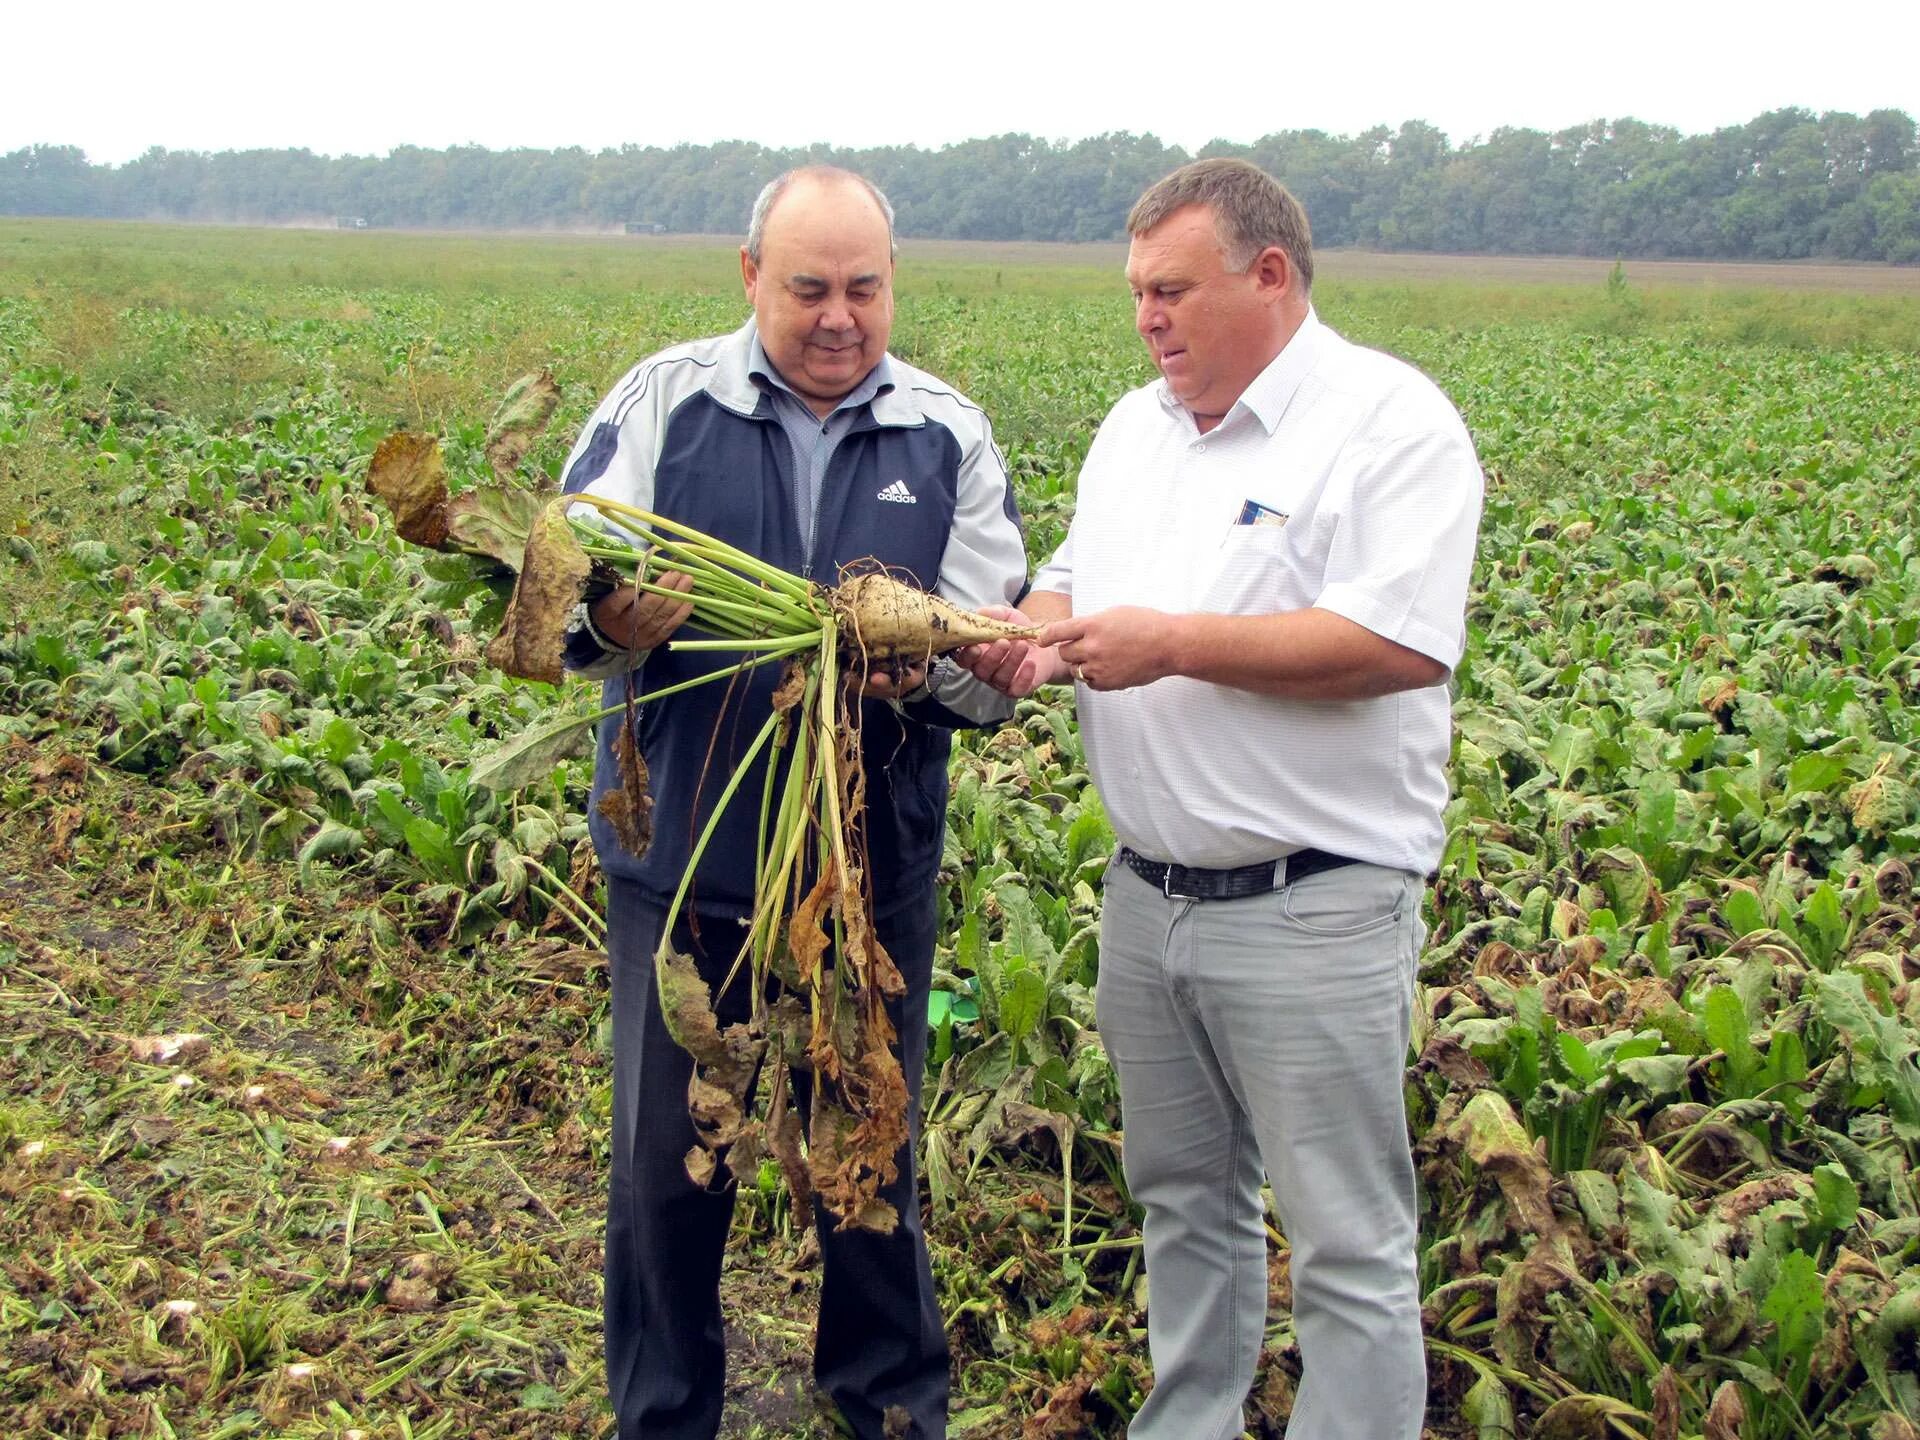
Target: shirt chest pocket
[1256,570]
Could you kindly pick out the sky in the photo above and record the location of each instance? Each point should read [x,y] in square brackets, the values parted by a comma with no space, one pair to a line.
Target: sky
[353,77]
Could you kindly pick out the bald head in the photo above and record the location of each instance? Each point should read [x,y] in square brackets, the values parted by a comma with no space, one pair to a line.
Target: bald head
[816,178]
[818,271]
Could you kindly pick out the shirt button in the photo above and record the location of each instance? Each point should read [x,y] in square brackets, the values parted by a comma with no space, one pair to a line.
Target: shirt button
[1200,447]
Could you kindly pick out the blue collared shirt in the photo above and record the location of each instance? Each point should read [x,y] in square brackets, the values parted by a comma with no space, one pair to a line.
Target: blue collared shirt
[813,439]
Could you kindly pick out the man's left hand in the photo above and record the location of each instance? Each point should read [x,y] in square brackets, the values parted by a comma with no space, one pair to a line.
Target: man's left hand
[1116,649]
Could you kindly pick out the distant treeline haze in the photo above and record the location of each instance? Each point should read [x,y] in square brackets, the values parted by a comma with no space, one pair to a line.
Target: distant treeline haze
[1787,185]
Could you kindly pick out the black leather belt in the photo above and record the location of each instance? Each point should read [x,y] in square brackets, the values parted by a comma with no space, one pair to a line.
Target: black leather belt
[1186,882]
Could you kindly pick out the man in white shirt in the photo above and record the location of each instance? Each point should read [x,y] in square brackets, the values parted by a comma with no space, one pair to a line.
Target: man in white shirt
[1260,599]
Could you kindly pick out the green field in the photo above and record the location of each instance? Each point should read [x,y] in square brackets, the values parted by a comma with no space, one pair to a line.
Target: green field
[1665,1094]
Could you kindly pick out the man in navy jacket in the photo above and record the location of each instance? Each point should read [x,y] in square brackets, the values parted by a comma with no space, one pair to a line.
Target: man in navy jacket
[800,440]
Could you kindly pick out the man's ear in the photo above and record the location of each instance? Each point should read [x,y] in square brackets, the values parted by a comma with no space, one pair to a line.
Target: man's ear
[1273,270]
[749,274]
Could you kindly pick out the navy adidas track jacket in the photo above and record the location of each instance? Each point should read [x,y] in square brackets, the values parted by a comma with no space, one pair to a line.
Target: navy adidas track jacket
[916,484]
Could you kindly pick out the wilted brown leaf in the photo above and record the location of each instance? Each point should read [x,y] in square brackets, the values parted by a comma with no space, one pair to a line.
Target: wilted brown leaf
[528,406]
[628,806]
[407,473]
[1717,693]
[806,932]
[552,578]
[1666,1405]
[1521,1299]
[1584,1417]
[1727,1413]
[1496,1141]
[60,831]
[1062,1415]
[783,1140]
[700,1166]
[840,1181]
[1447,1056]
[882,1131]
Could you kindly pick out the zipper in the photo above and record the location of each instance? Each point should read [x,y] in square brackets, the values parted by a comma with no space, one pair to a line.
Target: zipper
[820,502]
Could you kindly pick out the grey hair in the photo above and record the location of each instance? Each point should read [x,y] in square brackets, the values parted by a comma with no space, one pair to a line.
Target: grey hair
[1251,211]
[763,204]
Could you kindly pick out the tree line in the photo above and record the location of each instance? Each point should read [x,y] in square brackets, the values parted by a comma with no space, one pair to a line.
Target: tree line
[1786,185]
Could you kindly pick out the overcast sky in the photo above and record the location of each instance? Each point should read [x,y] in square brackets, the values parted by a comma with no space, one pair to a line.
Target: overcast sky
[356,77]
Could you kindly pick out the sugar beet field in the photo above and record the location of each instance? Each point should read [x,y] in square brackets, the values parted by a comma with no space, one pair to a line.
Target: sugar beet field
[303,1034]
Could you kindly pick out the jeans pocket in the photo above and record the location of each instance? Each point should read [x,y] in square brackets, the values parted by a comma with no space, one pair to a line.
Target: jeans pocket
[1350,900]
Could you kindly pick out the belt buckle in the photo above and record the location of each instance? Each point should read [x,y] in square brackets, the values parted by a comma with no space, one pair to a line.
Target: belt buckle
[1166,887]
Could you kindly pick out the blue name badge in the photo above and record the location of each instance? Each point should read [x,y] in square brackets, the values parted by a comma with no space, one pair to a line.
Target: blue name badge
[1254,513]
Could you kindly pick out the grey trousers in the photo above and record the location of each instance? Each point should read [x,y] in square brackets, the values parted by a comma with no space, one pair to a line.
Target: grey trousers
[1272,1028]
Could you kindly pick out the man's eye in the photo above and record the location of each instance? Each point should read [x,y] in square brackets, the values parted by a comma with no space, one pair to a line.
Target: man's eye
[861,297]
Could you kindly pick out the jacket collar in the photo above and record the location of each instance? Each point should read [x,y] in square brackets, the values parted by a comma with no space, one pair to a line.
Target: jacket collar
[731,384]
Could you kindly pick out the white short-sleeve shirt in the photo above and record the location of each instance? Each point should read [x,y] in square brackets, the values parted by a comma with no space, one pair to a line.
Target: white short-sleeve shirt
[1342,479]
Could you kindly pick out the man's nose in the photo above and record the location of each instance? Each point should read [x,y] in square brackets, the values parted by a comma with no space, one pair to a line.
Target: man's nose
[1148,316]
[836,313]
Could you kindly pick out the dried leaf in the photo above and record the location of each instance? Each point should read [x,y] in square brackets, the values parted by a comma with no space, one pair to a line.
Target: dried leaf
[726,1062]
[1584,1417]
[839,1180]
[783,1140]
[1447,1056]
[1496,1141]
[1666,1405]
[748,1149]
[628,806]
[882,1132]
[528,406]
[420,1283]
[1727,1413]
[792,687]
[687,1008]
[406,472]
[551,582]
[806,933]
[1522,1297]
[1717,693]
[700,1166]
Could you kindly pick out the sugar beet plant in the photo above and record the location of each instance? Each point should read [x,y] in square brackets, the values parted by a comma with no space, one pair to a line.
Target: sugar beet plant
[820,978]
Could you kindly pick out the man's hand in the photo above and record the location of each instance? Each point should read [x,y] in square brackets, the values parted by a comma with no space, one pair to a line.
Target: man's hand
[1013,667]
[636,619]
[1115,649]
[903,679]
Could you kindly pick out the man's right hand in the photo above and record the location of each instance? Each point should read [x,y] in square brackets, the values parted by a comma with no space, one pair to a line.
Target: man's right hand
[1013,667]
[636,619]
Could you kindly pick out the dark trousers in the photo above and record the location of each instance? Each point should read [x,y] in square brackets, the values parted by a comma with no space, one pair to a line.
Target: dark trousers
[880,1343]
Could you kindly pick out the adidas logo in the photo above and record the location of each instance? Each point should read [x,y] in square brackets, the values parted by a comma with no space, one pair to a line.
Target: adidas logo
[899,494]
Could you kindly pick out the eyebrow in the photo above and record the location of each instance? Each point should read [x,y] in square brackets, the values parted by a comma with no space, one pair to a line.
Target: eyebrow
[814,281]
